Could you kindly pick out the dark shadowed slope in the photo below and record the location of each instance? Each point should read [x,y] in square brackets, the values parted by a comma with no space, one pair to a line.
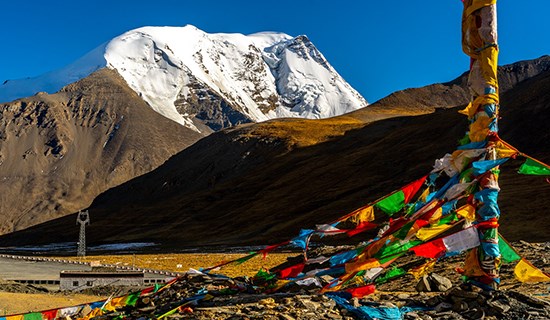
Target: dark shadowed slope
[261,183]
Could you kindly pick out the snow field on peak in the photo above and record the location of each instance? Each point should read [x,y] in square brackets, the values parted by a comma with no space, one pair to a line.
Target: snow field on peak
[263,76]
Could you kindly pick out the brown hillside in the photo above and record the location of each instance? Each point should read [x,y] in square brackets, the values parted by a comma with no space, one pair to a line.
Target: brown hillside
[59,151]
[261,183]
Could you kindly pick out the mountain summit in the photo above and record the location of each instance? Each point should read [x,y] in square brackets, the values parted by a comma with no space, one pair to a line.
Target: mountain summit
[211,81]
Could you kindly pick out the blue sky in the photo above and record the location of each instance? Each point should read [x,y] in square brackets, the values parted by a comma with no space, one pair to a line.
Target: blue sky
[377,46]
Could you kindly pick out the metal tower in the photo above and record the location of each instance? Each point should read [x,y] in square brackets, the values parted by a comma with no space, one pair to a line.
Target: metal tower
[83,218]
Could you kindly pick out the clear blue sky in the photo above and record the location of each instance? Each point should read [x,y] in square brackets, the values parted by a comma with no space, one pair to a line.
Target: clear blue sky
[377,46]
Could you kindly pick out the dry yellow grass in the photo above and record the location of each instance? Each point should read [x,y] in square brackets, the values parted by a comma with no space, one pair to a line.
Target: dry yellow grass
[181,262]
[12,303]
[304,132]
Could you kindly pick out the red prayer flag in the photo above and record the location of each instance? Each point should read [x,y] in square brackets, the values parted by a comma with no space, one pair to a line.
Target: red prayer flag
[432,249]
[292,271]
[49,314]
[362,291]
[363,226]
[412,188]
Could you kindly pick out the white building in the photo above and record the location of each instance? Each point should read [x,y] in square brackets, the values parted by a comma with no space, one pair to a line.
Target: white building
[80,280]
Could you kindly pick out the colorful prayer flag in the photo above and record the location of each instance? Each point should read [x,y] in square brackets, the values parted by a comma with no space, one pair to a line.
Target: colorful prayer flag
[532,167]
[526,272]
[360,292]
[508,254]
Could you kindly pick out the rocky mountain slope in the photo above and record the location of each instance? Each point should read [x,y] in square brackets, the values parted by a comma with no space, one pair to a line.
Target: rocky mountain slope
[59,151]
[207,82]
[261,183]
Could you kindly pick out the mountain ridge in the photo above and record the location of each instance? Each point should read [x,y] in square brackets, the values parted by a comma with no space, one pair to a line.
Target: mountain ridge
[242,78]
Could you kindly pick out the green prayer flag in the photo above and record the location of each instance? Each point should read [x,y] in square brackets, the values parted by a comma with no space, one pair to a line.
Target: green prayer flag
[132,299]
[33,316]
[532,167]
[402,233]
[390,274]
[396,248]
[158,286]
[265,275]
[246,258]
[393,203]
[507,253]
[446,219]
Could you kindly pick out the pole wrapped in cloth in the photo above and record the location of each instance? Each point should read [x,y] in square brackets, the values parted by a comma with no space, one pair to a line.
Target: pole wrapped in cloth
[480,42]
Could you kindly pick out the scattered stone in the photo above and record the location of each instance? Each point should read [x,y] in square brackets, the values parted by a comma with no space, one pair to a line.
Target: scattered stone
[439,282]
[424,285]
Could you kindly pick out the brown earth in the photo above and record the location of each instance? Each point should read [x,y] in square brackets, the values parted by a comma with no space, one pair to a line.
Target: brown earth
[59,151]
[261,183]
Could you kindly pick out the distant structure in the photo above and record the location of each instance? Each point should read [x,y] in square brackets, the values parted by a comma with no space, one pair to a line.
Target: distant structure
[100,277]
[83,218]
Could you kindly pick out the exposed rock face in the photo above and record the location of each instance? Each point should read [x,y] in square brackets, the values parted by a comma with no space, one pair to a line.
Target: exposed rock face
[58,152]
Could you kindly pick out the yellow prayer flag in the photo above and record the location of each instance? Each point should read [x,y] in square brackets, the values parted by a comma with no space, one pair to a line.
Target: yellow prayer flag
[479,129]
[19,317]
[526,272]
[467,211]
[363,215]
[503,151]
[421,270]
[94,313]
[362,264]
[471,265]
[425,234]
[424,196]
[436,216]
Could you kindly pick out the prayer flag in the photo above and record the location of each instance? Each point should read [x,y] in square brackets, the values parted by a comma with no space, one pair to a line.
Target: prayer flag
[467,211]
[361,291]
[425,234]
[49,314]
[526,272]
[292,271]
[507,252]
[392,204]
[481,167]
[462,240]
[412,188]
[422,269]
[432,249]
[361,215]
[532,167]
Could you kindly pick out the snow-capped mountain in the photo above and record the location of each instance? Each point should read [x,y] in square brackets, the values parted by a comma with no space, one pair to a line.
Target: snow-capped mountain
[211,81]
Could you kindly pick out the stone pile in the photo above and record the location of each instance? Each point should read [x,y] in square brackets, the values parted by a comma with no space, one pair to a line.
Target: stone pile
[200,296]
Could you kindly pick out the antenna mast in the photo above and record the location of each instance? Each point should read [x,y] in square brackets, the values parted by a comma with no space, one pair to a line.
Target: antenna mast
[83,218]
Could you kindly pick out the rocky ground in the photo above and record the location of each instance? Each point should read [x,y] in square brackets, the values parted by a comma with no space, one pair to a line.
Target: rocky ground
[199,296]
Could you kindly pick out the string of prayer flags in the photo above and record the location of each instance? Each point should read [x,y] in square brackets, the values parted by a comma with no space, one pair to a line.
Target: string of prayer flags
[532,167]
